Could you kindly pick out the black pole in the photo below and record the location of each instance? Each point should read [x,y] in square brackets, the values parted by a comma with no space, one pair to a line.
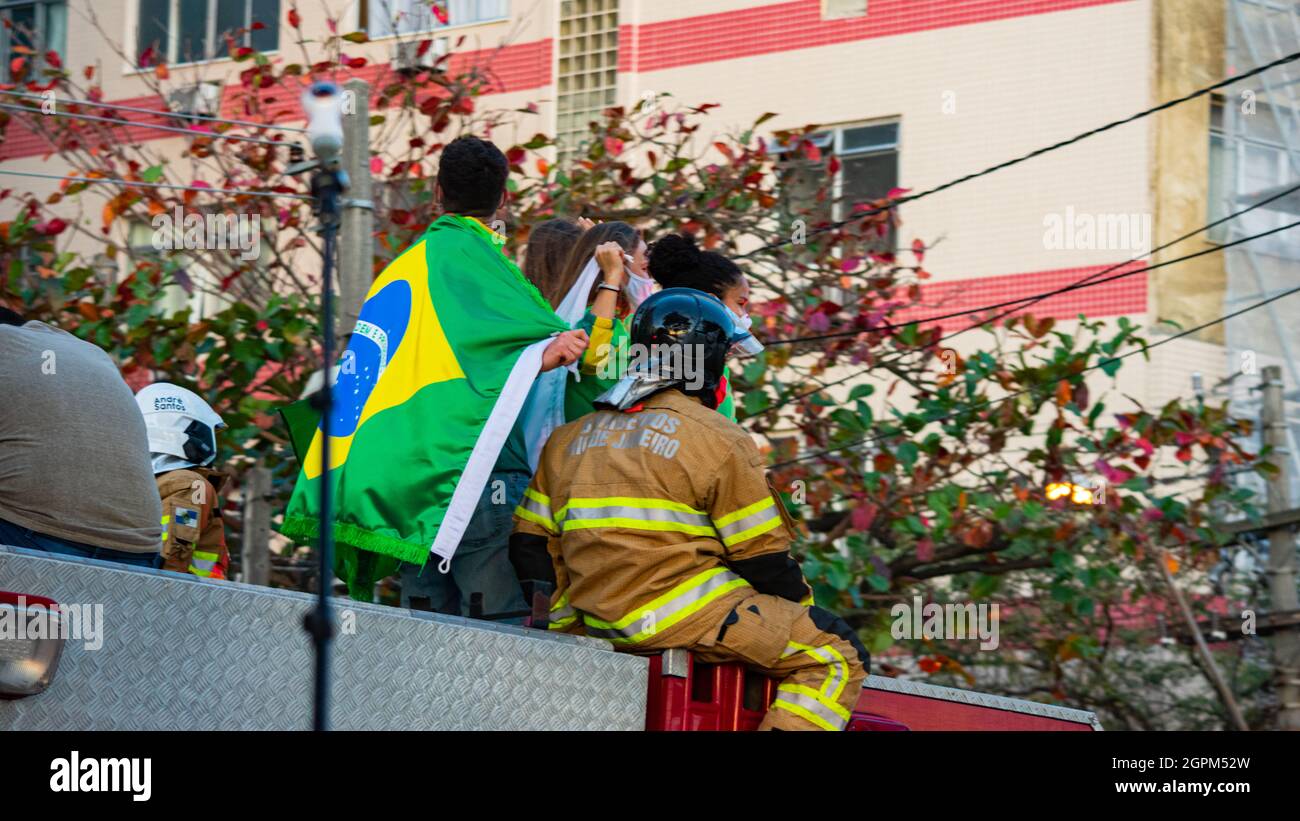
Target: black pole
[327,186]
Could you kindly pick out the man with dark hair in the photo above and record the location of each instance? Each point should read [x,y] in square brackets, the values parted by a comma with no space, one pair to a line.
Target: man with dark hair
[451,462]
[472,178]
[75,476]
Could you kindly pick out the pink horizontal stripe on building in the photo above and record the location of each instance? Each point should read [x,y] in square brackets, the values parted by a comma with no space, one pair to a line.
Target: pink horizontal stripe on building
[1116,298]
[799,24]
[510,68]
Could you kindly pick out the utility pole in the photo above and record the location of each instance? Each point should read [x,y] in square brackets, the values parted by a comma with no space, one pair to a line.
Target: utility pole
[256,561]
[1281,553]
[356,241]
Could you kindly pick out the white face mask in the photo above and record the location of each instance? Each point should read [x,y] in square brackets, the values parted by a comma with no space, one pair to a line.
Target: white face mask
[749,344]
[637,288]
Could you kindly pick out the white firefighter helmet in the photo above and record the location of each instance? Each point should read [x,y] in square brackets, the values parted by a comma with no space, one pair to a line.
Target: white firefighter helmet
[182,427]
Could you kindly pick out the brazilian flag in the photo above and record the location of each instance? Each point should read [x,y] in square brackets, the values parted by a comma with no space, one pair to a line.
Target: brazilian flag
[447,329]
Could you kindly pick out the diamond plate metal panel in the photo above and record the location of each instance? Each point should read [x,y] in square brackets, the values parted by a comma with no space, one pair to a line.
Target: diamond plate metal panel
[182,653]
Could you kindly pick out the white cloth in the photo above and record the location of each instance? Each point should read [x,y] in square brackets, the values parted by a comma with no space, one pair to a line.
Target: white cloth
[483,458]
[544,409]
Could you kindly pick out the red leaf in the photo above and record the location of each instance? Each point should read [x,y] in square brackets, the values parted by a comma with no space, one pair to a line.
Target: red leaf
[925,550]
[52,57]
[440,11]
[863,515]
[294,19]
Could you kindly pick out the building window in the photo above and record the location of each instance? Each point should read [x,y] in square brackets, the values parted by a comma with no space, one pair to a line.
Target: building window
[189,31]
[384,18]
[36,26]
[843,9]
[1250,161]
[866,160]
[588,75]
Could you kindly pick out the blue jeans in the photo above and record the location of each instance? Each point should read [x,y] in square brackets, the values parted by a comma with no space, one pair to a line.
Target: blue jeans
[15,536]
[482,561]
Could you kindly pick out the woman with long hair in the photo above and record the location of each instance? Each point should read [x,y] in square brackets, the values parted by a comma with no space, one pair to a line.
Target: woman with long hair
[604,279]
[676,261]
[549,244]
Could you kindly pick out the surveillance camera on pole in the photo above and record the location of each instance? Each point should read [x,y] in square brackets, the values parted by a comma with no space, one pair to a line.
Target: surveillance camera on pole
[323,105]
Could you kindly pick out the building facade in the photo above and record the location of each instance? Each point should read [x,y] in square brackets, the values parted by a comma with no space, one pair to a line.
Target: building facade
[907,93]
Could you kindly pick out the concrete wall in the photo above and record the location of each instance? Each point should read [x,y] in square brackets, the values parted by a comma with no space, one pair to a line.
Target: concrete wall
[1188,47]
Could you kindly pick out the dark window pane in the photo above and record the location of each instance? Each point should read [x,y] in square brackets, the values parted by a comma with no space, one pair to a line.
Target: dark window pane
[266,12]
[871,137]
[151,32]
[23,32]
[231,17]
[193,31]
[866,178]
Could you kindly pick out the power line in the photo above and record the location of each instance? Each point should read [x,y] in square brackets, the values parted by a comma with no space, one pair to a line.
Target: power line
[1200,92]
[134,184]
[1076,286]
[189,132]
[1027,300]
[157,113]
[989,402]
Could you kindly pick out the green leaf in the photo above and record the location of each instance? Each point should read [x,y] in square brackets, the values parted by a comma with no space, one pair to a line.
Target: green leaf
[152,174]
[907,454]
[755,402]
[984,587]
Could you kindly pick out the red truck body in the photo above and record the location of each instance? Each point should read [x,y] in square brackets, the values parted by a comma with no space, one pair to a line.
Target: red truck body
[686,694]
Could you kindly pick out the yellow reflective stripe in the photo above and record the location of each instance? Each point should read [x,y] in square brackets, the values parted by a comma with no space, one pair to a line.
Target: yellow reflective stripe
[561,611]
[821,699]
[756,530]
[166,519]
[841,673]
[683,588]
[638,524]
[646,503]
[535,507]
[762,504]
[560,624]
[808,601]
[837,665]
[529,516]
[677,604]
[816,720]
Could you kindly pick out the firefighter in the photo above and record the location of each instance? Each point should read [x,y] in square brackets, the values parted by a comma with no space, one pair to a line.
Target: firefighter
[654,521]
[182,432]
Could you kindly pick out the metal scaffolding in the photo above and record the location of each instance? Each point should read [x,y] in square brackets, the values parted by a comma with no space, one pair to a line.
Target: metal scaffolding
[1255,152]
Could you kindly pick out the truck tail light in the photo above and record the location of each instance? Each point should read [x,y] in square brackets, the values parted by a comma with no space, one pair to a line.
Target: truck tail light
[31,642]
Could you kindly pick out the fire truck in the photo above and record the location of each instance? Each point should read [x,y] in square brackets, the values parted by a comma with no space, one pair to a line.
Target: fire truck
[89,645]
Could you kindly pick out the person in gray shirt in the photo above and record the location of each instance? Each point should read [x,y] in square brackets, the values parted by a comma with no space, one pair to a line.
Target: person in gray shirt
[75,475]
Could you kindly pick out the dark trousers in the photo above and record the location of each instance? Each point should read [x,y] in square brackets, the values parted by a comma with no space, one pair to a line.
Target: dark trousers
[16,536]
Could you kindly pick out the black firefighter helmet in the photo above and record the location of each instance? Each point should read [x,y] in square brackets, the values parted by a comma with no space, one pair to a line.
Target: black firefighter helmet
[683,337]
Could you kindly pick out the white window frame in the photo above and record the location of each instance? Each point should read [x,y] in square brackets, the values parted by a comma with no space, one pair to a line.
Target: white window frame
[40,31]
[438,28]
[174,34]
